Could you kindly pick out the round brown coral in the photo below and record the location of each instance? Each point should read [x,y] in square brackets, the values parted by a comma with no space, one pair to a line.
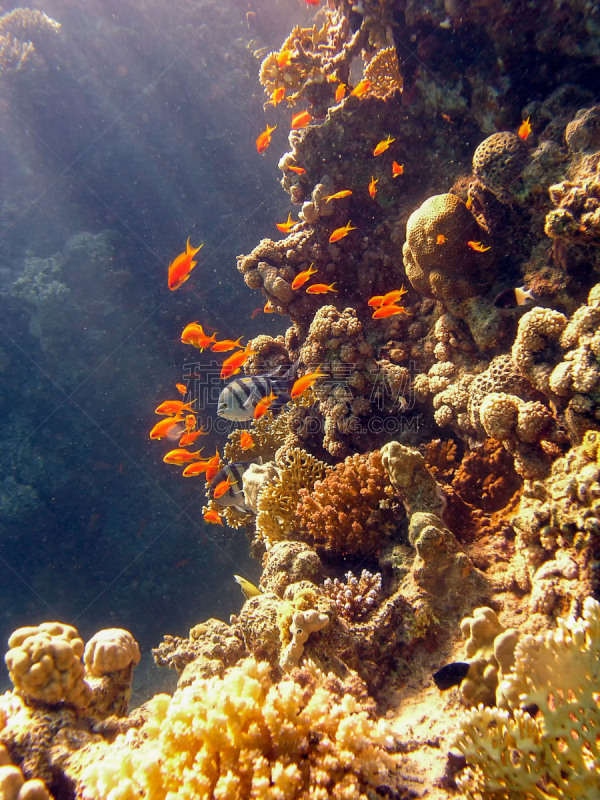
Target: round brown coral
[349,510]
[498,161]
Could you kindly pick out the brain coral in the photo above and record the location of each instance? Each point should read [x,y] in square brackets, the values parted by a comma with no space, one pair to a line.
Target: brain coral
[349,510]
[244,736]
[498,161]
[553,753]
[44,663]
[439,263]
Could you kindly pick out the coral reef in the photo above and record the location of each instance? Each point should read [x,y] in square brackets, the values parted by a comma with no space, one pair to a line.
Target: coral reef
[550,752]
[357,597]
[243,736]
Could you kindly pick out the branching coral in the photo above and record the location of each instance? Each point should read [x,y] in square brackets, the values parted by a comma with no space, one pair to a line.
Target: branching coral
[357,597]
[554,753]
[244,736]
[351,510]
[277,501]
[20,31]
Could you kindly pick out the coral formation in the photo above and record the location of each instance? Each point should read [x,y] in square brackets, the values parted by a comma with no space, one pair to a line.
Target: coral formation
[357,597]
[554,751]
[351,510]
[243,736]
[498,162]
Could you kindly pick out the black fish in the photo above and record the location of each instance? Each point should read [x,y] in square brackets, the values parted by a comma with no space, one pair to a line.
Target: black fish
[450,675]
[234,496]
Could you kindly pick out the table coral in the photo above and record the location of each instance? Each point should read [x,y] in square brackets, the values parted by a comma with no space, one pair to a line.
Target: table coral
[246,736]
[351,510]
[553,753]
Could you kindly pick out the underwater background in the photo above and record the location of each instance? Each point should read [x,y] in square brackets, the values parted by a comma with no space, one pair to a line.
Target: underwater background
[130,129]
[351,248]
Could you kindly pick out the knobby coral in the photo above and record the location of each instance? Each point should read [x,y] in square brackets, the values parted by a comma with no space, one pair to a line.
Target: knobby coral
[524,755]
[244,736]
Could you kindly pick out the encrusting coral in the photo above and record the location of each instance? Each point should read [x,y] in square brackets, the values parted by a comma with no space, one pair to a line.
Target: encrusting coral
[245,736]
[546,744]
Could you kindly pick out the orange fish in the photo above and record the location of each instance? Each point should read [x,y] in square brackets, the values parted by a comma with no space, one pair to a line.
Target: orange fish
[225,345]
[233,364]
[189,437]
[393,296]
[306,381]
[283,58]
[383,146]
[194,334]
[276,97]
[340,92]
[256,312]
[524,129]
[469,203]
[373,186]
[173,407]
[388,311]
[337,195]
[166,427]
[301,120]
[286,227]
[195,469]
[246,441]
[264,140]
[302,277]
[181,456]
[478,247]
[181,388]
[223,487]
[339,233]
[269,308]
[297,170]
[180,268]
[441,239]
[321,288]
[361,88]
[312,2]
[213,466]
[263,405]
[212,516]
[397,169]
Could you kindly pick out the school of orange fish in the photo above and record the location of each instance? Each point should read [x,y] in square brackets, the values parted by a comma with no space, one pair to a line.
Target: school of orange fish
[181,423]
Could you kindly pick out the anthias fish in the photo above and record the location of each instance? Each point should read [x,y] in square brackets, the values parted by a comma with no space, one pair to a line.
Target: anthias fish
[339,233]
[180,268]
[227,489]
[264,140]
[383,146]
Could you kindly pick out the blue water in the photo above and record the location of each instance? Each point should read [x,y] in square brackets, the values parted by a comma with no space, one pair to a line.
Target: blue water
[134,129]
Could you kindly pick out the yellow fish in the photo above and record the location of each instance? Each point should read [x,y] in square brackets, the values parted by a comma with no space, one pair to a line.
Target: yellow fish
[249,590]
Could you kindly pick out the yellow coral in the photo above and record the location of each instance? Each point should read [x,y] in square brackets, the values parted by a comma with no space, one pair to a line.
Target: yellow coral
[278,500]
[243,736]
[384,73]
[44,663]
[555,753]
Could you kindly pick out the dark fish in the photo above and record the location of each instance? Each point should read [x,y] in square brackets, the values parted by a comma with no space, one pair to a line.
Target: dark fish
[234,496]
[450,675]
[519,296]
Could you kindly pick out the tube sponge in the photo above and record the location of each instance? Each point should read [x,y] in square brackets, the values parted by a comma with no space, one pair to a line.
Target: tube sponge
[244,736]
[555,752]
